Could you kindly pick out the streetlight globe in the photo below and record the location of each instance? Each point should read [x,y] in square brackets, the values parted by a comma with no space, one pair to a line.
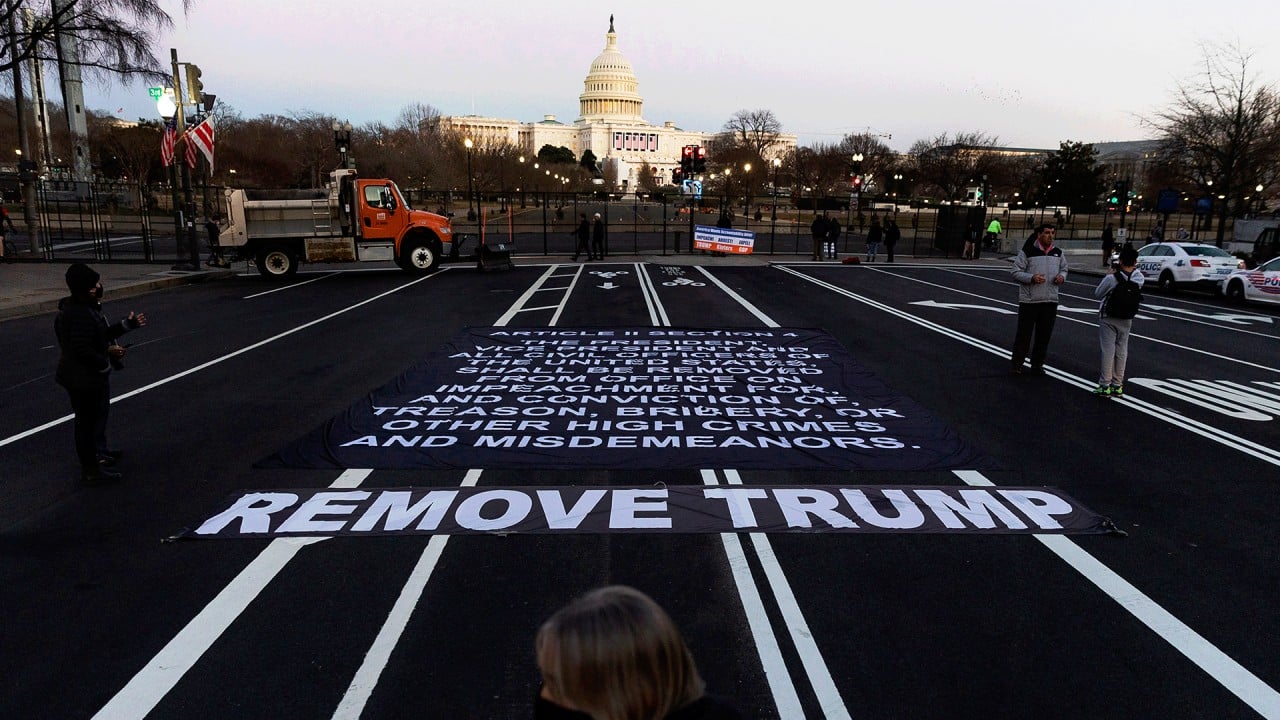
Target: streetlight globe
[468,143]
[746,167]
[777,162]
[1259,188]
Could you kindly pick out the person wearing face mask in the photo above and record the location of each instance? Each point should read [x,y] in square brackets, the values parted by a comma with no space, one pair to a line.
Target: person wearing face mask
[88,352]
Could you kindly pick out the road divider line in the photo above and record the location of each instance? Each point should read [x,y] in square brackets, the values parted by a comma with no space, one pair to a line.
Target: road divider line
[1209,432]
[208,364]
[815,666]
[379,654]
[1230,674]
[775,668]
[159,676]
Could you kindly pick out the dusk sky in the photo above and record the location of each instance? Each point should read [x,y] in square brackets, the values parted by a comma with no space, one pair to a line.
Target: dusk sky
[1031,74]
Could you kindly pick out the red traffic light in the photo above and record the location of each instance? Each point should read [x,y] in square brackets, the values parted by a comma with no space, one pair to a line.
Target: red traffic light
[687,152]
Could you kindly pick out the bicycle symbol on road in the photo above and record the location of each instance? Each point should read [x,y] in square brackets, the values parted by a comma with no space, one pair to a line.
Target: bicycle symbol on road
[684,281]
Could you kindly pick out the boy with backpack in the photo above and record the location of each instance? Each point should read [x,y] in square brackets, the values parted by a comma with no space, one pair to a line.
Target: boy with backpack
[1121,293]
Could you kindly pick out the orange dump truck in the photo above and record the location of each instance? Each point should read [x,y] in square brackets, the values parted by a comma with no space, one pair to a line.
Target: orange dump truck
[351,220]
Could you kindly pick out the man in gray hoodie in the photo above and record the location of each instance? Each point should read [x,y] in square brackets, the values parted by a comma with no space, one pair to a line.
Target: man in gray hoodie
[1040,269]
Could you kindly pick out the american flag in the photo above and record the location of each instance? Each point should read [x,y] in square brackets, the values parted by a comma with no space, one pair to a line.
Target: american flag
[200,136]
[167,140]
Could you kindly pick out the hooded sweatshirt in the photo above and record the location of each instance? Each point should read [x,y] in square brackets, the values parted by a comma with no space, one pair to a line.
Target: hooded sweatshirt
[1033,260]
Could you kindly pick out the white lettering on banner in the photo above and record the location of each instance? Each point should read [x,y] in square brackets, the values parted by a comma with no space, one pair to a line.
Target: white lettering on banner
[253,516]
[470,515]
[978,508]
[626,503]
[394,506]
[909,514]
[560,519]
[739,503]
[798,505]
[648,509]
[636,398]
[303,520]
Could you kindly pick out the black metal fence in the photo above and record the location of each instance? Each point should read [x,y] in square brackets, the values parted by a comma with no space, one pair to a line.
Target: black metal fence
[114,222]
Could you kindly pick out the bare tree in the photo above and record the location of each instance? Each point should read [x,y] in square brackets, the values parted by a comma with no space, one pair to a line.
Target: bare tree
[877,158]
[114,37]
[950,164]
[753,130]
[1223,129]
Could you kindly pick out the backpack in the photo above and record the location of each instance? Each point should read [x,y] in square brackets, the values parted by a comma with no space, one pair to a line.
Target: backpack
[1123,300]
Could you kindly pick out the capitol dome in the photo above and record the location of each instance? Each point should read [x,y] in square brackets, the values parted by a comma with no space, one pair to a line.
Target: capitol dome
[610,92]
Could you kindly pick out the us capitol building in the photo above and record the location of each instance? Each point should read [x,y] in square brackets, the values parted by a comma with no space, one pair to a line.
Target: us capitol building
[610,125]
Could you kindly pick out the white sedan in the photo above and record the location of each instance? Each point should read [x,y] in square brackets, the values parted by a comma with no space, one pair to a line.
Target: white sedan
[1178,264]
[1261,284]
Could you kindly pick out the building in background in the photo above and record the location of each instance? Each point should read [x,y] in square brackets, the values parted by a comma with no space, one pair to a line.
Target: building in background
[610,124]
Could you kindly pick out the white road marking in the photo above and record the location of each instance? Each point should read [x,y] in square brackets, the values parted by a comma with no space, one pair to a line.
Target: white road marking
[202,366]
[1243,684]
[149,686]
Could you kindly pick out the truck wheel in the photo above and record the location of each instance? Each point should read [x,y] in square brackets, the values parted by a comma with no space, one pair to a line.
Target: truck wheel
[276,262]
[421,257]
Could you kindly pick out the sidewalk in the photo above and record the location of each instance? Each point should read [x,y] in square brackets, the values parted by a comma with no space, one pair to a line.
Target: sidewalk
[32,288]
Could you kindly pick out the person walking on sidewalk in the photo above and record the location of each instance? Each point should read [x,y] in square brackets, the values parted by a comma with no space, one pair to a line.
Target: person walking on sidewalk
[818,228]
[6,223]
[583,235]
[1108,244]
[597,238]
[833,237]
[891,236]
[1039,269]
[88,354]
[1121,293]
[875,233]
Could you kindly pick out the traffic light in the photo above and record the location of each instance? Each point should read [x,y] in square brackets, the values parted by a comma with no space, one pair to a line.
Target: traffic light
[857,183]
[686,159]
[677,177]
[195,88]
[699,159]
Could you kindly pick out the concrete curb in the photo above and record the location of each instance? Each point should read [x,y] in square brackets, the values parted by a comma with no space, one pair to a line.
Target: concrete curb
[116,292]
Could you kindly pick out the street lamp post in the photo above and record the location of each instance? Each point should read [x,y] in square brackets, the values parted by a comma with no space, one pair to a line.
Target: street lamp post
[777,163]
[522,205]
[724,205]
[471,193]
[1258,199]
[342,140]
[746,191]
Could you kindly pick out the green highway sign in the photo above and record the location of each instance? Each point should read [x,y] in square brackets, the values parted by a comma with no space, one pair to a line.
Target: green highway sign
[155,92]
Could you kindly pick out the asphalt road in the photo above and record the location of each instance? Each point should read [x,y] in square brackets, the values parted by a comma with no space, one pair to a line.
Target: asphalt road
[1174,620]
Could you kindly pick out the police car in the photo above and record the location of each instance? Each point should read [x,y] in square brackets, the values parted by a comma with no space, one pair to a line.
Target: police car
[1261,284]
[1183,264]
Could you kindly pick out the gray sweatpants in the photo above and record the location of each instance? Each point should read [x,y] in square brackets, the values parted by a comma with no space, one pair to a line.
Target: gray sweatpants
[1113,337]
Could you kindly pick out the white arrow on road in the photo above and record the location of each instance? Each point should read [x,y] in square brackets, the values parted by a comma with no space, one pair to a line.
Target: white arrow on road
[956,306]
[1220,317]
[608,286]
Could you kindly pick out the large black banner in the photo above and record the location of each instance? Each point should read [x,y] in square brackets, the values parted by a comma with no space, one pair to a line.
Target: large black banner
[635,398]
[650,509]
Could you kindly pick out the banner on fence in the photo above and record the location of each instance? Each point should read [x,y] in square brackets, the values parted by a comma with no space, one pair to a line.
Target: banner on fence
[725,240]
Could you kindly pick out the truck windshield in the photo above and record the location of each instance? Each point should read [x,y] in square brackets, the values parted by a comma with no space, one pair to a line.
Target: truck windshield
[399,195]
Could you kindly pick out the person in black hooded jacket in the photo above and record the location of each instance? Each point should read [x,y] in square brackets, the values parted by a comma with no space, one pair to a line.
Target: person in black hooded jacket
[88,352]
